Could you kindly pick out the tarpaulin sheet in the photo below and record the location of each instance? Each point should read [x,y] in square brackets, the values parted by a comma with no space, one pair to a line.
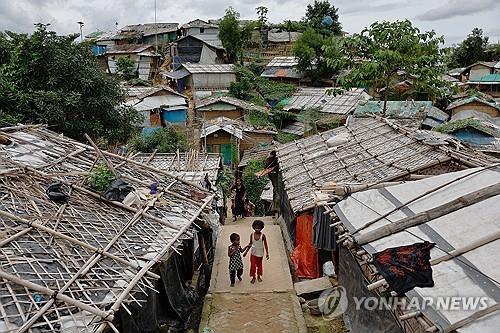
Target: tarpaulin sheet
[172,307]
[305,255]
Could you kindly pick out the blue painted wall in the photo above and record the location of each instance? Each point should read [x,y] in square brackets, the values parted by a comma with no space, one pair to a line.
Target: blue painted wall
[98,49]
[173,116]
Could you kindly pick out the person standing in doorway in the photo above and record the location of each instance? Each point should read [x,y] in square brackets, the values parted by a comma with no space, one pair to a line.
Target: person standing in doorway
[257,245]
[238,204]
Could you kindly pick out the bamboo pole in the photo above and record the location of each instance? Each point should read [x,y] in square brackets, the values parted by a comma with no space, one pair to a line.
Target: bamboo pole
[158,257]
[107,315]
[70,239]
[469,247]
[475,316]
[423,217]
[99,152]
[421,196]
[122,158]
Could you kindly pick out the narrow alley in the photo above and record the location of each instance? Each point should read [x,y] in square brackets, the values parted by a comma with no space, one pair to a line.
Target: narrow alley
[267,306]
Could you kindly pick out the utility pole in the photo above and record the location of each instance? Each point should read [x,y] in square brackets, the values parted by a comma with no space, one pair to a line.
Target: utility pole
[81,24]
[156,32]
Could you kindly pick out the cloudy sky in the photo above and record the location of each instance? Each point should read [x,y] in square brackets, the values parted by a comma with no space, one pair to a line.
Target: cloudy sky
[452,18]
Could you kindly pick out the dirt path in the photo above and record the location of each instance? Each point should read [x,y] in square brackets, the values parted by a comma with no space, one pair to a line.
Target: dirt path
[267,306]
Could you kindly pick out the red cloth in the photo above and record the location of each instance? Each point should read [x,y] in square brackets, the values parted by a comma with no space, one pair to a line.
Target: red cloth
[255,265]
[305,255]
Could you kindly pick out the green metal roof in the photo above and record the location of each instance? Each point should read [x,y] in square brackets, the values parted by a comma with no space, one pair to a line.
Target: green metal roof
[489,78]
[398,109]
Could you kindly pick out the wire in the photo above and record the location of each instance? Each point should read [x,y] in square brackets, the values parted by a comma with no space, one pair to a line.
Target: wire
[411,233]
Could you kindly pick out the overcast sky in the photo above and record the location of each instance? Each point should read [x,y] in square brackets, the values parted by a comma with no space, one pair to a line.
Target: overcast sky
[452,18]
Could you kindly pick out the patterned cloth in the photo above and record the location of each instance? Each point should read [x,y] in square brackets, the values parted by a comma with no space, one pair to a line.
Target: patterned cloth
[406,267]
[235,262]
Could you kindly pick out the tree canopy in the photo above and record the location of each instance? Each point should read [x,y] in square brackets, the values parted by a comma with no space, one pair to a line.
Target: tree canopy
[310,53]
[380,54]
[323,18]
[50,79]
[471,50]
[233,36]
[163,140]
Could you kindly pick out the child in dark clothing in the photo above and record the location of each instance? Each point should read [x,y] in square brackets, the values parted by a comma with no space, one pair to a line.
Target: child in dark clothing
[235,263]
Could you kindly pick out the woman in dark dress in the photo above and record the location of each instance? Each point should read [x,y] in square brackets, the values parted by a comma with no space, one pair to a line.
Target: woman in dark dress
[239,199]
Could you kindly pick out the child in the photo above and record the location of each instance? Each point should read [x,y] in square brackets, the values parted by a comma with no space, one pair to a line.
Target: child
[258,243]
[249,208]
[235,263]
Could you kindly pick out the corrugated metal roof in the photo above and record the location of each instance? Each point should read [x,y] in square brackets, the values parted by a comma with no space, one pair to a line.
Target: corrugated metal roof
[231,126]
[149,29]
[471,99]
[209,39]
[198,24]
[194,68]
[490,78]
[142,92]
[344,103]
[129,48]
[229,100]
[283,62]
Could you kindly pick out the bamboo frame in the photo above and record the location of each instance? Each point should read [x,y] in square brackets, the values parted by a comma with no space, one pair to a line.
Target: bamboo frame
[86,244]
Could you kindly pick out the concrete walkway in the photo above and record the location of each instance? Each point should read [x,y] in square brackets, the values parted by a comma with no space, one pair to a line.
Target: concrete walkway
[267,306]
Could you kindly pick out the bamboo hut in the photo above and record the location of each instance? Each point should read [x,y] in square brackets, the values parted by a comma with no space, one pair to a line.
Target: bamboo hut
[362,152]
[74,260]
[458,212]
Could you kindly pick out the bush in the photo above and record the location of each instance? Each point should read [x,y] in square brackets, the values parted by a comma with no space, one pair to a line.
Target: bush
[255,185]
[259,119]
[225,181]
[283,137]
[100,178]
[164,140]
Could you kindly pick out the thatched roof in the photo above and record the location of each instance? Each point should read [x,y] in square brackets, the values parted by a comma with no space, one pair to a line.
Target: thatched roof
[367,151]
[75,263]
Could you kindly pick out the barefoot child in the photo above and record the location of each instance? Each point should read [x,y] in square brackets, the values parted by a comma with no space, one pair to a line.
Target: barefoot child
[235,263]
[258,243]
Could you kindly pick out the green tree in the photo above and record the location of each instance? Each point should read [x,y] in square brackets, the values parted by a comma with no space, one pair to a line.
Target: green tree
[234,38]
[471,50]
[126,67]
[46,78]
[254,185]
[380,53]
[262,15]
[323,18]
[310,53]
[164,140]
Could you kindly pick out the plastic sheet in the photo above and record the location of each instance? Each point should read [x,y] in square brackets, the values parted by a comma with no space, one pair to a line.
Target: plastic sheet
[304,255]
